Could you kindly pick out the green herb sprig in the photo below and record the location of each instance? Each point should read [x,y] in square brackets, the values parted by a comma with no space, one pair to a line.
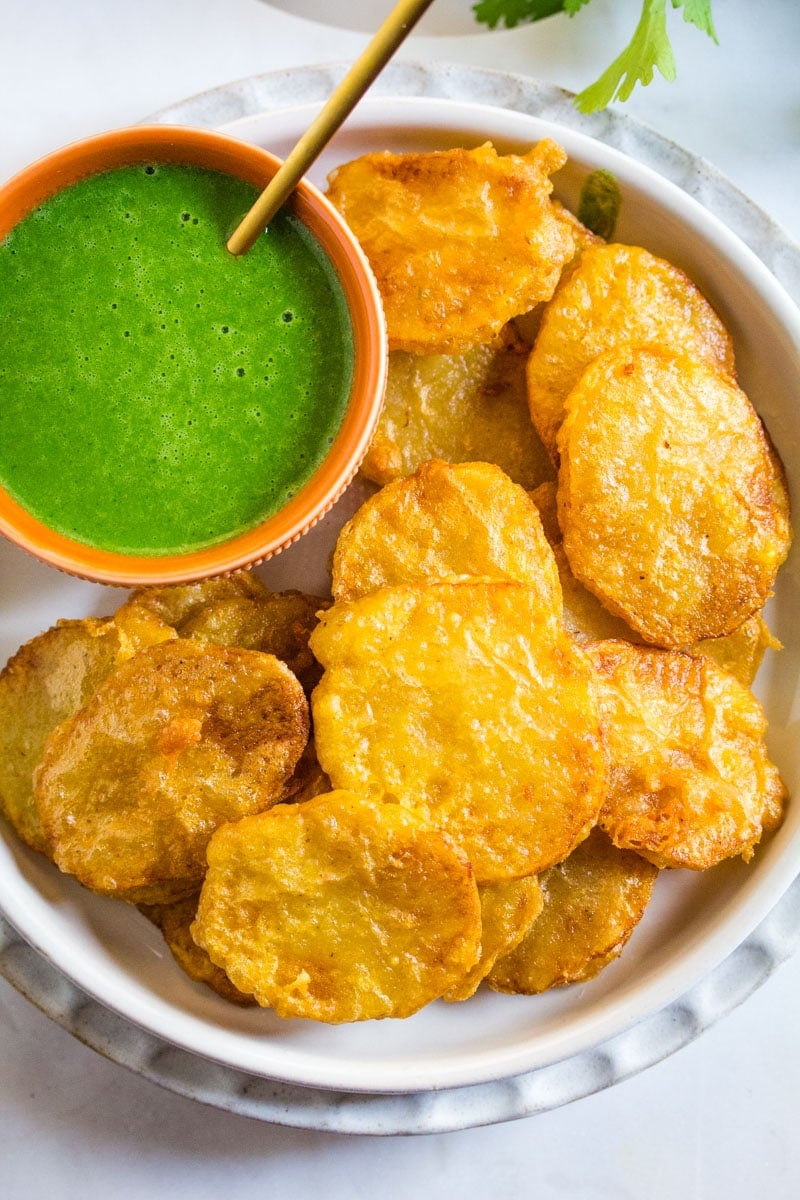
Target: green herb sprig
[648,50]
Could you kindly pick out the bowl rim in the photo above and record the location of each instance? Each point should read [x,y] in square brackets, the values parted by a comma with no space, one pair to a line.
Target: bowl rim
[207,148]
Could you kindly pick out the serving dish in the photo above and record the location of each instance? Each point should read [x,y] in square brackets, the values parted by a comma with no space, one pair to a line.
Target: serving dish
[694,923]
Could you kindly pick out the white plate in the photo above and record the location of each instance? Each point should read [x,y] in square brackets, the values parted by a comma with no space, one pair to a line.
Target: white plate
[695,920]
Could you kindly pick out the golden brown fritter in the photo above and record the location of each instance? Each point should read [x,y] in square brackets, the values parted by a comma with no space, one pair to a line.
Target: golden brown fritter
[592,903]
[48,680]
[469,407]
[508,909]
[460,240]
[673,510]
[177,603]
[465,700]
[585,618]
[278,623]
[616,295]
[445,520]
[181,738]
[339,909]
[690,780]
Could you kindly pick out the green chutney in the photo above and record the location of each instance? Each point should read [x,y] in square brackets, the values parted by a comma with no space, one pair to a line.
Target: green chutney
[158,395]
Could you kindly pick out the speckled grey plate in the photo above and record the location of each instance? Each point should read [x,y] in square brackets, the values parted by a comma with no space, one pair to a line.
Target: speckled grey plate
[648,1042]
[707,941]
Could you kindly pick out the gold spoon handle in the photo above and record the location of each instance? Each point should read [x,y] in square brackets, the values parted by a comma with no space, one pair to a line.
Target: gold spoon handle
[365,69]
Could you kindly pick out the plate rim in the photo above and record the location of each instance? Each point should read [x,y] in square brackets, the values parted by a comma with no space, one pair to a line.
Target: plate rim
[591,1069]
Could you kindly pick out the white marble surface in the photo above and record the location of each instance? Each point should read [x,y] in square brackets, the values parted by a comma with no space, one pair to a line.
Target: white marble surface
[718,1119]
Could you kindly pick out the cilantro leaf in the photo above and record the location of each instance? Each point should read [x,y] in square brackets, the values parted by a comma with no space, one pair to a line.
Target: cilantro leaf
[513,12]
[649,49]
[698,12]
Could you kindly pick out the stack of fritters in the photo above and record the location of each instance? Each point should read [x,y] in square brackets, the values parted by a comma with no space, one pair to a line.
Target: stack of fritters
[530,691]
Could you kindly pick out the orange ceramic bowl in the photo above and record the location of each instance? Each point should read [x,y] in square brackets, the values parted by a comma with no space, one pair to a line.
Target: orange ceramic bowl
[202,148]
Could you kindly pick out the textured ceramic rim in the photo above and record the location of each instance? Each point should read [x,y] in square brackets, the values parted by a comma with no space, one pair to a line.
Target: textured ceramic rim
[590,1070]
[206,148]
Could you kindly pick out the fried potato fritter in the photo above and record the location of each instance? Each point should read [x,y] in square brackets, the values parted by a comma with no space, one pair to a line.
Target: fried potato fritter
[460,240]
[585,618]
[175,921]
[672,505]
[616,295]
[446,520]
[741,652]
[278,623]
[690,783]
[592,903]
[339,909]
[464,700]
[48,680]
[182,737]
[582,236]
[469,407]
[508,909]
[178,603]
